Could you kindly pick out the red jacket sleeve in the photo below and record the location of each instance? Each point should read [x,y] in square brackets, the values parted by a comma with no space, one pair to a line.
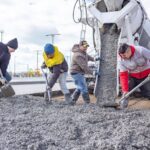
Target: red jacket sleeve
[124,81]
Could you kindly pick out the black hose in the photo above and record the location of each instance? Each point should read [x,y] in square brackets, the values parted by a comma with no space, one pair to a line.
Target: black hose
[74,12]
[86,15]
[94,43]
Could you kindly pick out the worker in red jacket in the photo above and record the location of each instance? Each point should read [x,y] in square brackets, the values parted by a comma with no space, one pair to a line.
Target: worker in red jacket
[134,67]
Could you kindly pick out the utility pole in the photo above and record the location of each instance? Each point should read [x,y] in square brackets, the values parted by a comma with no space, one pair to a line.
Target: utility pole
[37,59]
[1,35]
[27,67]
[14,65]
[52,36]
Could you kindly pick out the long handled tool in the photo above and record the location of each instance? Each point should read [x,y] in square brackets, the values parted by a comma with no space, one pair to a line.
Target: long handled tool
[123,102]
[47,92]
[6,88]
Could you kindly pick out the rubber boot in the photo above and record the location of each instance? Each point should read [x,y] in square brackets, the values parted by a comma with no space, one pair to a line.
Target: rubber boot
[86,98]
[1,94]
[67,99]
[75,97]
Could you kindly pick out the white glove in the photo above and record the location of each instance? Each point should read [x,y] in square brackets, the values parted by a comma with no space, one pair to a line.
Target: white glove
[97,58]
[3,81]
[96,73]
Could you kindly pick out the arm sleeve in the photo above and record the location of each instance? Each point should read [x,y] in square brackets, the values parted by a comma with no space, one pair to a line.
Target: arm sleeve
[123,77]
[54,76]
[90,58]
[124,81]
[146,53]
[3,67]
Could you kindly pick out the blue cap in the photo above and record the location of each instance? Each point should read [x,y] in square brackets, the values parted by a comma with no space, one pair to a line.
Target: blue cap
[49,48]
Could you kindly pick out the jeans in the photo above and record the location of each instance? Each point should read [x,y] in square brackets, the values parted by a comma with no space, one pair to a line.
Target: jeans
[8,76]
[80,83]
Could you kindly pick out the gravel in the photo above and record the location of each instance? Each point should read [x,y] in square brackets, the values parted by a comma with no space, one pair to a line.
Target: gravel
[27,123]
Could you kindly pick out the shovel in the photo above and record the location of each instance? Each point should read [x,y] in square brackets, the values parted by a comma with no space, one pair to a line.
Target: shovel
[6,88]
[123,102]
[47,92]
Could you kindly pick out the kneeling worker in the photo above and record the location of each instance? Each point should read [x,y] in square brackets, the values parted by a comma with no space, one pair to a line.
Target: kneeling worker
[134,66]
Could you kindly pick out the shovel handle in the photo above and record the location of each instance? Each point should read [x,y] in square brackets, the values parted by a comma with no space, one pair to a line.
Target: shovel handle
[47,85]
[1,74]
[139,85]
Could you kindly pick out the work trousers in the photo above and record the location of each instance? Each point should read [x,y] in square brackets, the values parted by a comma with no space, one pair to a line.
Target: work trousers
[145,89]
[80,82]
[62,82]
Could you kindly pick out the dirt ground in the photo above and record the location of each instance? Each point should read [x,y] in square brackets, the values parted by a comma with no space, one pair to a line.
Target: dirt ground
[28,123]
[134,103]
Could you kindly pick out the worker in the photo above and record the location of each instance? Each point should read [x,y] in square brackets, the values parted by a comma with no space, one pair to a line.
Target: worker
[5,55]
[134,66]
[58,67]
[79,67]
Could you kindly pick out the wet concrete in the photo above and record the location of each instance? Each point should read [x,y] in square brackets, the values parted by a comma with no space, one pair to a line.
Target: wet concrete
[27,123]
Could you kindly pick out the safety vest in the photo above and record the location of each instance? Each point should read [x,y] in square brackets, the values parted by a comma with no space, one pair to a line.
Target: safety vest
[56,60]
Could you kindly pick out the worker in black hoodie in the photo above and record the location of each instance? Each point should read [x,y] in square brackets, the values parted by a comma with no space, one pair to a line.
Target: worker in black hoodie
[5,51]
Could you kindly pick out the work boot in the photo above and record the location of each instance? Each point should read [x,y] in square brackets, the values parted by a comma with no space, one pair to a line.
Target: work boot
[1,94]
[67,99]
[75,97]
[86,98]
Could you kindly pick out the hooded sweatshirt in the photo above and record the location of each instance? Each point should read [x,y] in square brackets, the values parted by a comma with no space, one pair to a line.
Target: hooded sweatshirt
[80,61]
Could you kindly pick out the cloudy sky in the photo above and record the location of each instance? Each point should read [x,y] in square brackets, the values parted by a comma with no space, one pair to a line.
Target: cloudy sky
[31,20]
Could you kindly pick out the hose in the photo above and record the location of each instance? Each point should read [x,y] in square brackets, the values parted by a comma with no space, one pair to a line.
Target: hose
[73,15]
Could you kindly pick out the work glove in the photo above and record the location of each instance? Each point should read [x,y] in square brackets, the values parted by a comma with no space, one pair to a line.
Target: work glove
[43,66]
[97,58]
[96,73]
[123,94]
[2,81]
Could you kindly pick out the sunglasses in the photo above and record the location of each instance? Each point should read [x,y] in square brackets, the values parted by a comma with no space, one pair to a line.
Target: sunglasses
[85,45]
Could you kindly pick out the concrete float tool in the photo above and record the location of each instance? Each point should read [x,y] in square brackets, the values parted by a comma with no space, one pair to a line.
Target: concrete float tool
[47,93]
[6,88]
[123,102]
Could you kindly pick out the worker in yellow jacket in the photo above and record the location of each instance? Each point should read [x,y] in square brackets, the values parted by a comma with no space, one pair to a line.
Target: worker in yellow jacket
[55,61]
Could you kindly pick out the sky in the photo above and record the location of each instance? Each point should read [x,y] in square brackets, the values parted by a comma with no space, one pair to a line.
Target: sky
[31,20]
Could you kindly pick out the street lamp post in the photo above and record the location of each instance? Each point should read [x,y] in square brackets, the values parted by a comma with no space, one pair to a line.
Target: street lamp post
[37,58]
[14,65]
[1,35]
[27,67]
[52,36]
